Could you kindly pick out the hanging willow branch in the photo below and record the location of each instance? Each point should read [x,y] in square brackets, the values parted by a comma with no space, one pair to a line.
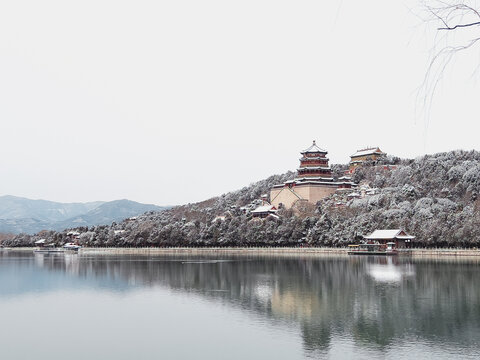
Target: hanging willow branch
[458,29]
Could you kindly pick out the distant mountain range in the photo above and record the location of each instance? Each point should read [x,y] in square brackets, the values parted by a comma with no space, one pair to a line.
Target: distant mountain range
[21,215]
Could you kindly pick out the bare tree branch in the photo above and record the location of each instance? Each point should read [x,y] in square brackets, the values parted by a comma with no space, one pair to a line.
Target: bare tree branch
[459,26]
[457,30]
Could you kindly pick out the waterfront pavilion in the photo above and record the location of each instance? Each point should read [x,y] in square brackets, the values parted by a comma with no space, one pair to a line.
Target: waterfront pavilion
[398,236]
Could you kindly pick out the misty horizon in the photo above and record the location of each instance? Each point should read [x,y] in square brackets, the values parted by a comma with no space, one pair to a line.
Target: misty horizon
[157,104]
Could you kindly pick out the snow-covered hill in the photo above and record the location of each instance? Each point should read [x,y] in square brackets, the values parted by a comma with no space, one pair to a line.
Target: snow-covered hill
[434,197]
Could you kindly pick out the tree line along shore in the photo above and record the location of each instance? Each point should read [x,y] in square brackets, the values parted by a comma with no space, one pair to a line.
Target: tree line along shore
[434,197]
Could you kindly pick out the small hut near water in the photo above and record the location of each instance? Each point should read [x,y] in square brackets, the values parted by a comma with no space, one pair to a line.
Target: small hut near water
[398,236]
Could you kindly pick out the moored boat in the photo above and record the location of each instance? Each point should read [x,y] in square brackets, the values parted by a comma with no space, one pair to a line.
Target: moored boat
[44,248]
[71,247]
[49,251]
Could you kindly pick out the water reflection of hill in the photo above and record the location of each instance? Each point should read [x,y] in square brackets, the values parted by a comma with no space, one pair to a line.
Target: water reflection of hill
[23,273]
[376,302]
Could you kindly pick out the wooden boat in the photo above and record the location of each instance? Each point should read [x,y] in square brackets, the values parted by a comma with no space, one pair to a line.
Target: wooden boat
[71,247]
[49,250]
[373,249]
[44,248]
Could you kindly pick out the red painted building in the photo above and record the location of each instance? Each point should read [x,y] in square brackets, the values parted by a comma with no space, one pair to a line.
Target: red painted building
[313,183]
[314,164]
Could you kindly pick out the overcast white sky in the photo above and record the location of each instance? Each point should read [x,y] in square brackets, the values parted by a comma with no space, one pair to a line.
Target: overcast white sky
[170,102]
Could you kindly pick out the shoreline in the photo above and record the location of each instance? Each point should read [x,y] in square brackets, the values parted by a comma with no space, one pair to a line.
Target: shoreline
[417,253]
[261,250]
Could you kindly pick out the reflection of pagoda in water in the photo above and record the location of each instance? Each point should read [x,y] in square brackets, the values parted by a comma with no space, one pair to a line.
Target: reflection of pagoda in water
[378,302]
[314,180]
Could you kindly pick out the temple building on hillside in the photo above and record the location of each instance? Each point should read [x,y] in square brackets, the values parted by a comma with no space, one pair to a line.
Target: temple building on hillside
[264,211]
[314,181]
[363,155]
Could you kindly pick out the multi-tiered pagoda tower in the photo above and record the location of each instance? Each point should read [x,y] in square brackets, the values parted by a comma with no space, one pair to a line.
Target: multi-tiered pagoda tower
[314,165]
[313,183]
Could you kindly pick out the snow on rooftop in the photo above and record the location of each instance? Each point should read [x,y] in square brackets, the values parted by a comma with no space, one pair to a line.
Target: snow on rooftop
[369,151]
[302,178]
[313,149]
[323,158]
[264,208]
[383,234]
[388,234]
[314,180]
[314,168]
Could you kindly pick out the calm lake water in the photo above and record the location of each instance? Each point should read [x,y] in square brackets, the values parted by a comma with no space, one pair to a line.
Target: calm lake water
[236,307]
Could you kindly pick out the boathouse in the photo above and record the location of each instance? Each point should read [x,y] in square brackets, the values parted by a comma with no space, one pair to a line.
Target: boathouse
[398,236]
[314,181]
